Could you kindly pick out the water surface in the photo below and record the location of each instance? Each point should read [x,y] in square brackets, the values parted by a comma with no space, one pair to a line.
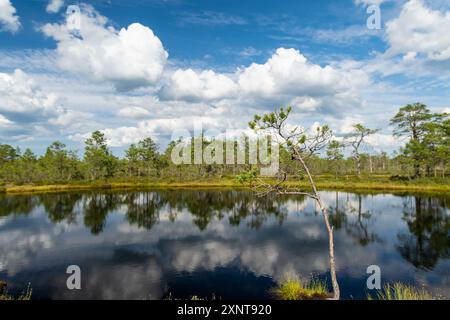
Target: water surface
[224,244]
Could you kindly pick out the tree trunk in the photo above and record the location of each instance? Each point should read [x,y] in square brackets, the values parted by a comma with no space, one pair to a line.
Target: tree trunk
[358,165]
[337,169]
[336,290]
[416,166]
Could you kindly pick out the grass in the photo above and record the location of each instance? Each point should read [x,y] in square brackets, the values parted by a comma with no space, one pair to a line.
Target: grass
[192,298]
[292,288]
[400,291]
[385,184]
[4,296]
[351,183]
[115,186]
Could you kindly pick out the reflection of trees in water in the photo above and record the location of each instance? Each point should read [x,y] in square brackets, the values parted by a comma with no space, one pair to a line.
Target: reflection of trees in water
[360,228]
[96,208]
[60,207]
[427,217]
[207,206]
[143,208]
[17,205]
[428,221]
[338,217]
[356,221]
[204,206]
[258,210]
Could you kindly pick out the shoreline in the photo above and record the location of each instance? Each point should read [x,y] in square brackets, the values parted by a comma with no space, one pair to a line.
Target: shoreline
[321,185]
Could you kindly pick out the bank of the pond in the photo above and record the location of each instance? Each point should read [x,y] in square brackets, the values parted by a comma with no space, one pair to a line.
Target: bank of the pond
[378,185]
[113,186]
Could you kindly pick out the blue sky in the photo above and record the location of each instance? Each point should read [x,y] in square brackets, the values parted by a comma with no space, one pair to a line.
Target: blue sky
[225,32]
[140,68]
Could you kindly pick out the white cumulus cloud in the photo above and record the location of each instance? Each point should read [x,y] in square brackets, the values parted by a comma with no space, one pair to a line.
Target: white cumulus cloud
[54,6]
[133,112]
[4,122]
[204,85]
[306,103]
[128,58]
[28,110]
[419,29]
[9,21]
[19,94]
[288,73]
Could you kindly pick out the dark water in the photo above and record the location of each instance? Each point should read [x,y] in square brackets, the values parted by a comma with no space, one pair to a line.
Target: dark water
[227,244]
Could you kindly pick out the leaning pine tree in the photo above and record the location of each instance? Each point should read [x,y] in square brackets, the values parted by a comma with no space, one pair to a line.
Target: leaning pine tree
[301,145]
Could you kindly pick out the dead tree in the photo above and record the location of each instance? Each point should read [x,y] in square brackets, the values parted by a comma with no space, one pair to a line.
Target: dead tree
[301,145]
[357,139]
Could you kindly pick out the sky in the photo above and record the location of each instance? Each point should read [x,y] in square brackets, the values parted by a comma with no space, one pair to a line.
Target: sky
[153,67]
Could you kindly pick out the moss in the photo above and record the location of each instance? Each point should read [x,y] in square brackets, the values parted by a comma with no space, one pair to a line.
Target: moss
[399,291]
[292,288]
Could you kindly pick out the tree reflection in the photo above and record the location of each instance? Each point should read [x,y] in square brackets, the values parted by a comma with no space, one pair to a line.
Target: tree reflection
[60,207]
[143,208]
[429,224]
[96,208]
[17,205]
[338,217]
[356,221]
[204,207]
[258,210]
[360,228]
[207,206]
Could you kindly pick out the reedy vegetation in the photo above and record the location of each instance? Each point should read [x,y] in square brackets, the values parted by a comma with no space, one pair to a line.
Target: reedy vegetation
[4,295]
[400,291]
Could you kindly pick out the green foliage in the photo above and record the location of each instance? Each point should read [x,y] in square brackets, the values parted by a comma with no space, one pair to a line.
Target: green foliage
[8,153]
[247,177]
[269,120]
[99,160]
[410,120]
[335,154]
[143,158]
[428,147]
[61,164]
[335,151]
[425,154]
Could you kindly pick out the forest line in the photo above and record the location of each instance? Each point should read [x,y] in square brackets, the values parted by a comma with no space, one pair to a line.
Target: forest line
[425,154]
